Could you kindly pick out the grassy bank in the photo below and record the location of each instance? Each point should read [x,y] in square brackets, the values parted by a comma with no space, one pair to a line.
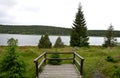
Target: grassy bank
[95,63]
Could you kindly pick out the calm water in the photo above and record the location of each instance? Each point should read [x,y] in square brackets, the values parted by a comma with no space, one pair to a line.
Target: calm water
[32,40]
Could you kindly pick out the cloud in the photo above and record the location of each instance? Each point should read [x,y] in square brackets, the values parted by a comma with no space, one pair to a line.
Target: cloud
[31,9]
[27,5]
[8,3]
[2,14]
[60,12]
[6,19]
[5,6]
[50,12]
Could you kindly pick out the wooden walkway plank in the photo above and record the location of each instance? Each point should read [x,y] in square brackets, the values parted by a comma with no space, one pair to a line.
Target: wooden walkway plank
[59,71]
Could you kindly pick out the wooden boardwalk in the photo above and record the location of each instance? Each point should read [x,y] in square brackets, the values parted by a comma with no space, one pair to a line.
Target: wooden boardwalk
[59,71]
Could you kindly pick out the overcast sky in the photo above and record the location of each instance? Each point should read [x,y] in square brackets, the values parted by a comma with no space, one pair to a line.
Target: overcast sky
[99,14]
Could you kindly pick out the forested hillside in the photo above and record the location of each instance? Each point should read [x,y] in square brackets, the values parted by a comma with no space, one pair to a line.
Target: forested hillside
[102,33]
[34,29]
[51,30]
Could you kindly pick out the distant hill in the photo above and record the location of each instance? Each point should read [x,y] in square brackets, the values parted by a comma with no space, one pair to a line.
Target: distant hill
[34,29]
[41,29]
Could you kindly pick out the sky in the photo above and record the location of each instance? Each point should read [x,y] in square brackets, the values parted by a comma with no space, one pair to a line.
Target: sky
[99,14]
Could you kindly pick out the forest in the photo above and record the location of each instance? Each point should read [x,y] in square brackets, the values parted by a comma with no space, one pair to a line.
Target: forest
[51,30]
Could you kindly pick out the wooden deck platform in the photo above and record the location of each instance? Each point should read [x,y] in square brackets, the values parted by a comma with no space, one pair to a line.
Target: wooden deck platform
[59,71]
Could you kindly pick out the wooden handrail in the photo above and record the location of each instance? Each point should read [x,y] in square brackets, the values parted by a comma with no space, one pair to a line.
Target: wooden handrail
[44,55]
[78,55]
[77,62]
[39,65]
[59,52]
[39,57]
[59,58]
[80,68]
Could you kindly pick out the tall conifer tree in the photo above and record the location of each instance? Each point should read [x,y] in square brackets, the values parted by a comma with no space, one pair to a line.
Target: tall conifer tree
[79,35]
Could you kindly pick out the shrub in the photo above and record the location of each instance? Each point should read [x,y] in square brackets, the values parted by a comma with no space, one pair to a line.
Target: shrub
[54,61]
[10,65]
[110,59]
[59,43]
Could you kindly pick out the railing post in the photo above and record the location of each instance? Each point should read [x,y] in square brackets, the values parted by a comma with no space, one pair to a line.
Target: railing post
[45,58]
[73,58]
[36,63]
[81,67]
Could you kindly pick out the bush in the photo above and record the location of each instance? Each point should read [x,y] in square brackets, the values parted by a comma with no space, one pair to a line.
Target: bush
[59,43]
[10,65]
[54,61]
[110,59]
[44,42]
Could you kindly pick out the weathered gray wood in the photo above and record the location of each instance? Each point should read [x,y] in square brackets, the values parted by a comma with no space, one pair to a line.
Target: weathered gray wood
[59,58]
[44,55]
[39,57]
[59,52]
[59,71]
[77,62]
[78,55]
[41,63]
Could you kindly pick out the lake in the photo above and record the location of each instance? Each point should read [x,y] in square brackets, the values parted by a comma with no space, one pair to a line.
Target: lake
[33,40]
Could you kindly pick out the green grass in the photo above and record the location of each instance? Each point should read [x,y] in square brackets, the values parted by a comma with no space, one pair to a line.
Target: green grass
[95,60]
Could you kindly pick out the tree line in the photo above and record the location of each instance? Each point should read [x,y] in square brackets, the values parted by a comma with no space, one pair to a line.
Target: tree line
[33,29]
[51,30]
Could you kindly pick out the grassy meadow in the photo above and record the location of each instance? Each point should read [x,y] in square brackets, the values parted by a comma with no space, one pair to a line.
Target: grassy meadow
[95,63]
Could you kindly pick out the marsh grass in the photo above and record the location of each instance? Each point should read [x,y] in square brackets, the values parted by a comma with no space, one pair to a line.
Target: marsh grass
[95,59]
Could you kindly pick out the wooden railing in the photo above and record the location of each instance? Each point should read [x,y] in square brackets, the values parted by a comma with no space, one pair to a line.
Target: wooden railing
[77,60]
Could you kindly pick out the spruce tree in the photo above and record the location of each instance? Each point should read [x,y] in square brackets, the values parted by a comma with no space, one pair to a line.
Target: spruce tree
[41,42]
[47,43]
[44,42]
[79,35]
[59,43]
[109,39]
[10,65]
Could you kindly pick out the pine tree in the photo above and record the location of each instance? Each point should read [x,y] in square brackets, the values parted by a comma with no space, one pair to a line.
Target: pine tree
[44,42]
[40,44]
[109,39]
[47,43]
[79,35]
[59,43]
[10,65]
